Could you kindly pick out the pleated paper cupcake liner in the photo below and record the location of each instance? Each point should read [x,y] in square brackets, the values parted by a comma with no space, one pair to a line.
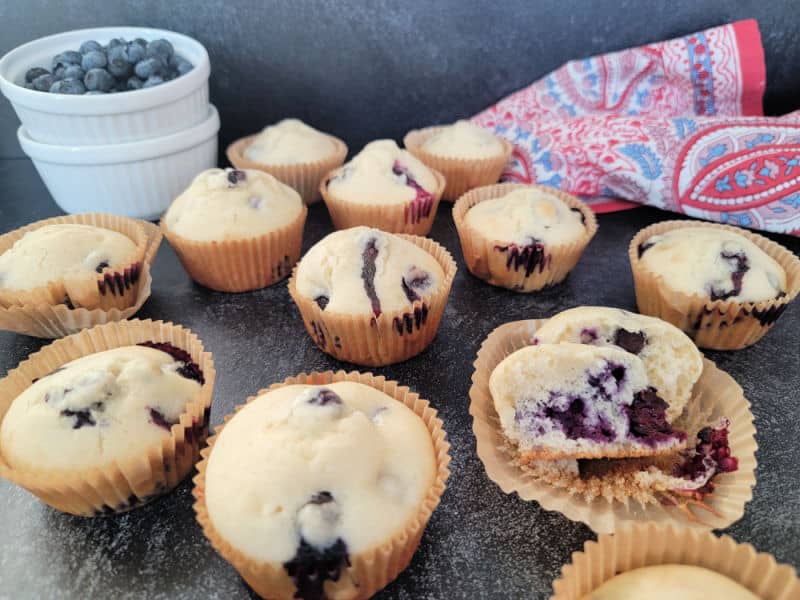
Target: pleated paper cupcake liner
[54,321]
[244,264]
[717,324]
[462,174]
[391,337]
[409,217]
[106,290]
[647,544]
[303,177]
[369,571]
[617,492]
[489,259]
[120,485]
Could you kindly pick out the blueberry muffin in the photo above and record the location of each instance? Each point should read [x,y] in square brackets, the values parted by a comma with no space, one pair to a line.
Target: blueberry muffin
[129,417]
[577,401]
[371,297]
[384,187]
[293,152]
[662,560]
[84,261]
[236,230]
[725,287]
[672,361]
[523,238]
[467,155]
[322,491]
[664,582]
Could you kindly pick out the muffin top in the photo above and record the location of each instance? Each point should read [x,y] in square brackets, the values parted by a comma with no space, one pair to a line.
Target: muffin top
[63,251]
[289,142]
[303,470]
[578,401]
[672,361]
[462,139]
[232,204]
[665,582]
[525,216]
[362,270]
[713,262]
[100,408]
[383,173]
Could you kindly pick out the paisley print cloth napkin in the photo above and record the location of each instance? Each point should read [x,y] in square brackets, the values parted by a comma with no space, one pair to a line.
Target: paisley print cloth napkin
[677,125]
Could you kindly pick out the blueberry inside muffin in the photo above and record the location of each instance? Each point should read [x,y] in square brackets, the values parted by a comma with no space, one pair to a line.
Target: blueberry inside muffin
[672,361]
[712,262]
[576,401]
[307,477]
[106,407]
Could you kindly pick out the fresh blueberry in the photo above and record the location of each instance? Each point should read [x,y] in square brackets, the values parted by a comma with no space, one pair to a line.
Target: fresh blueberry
[160,49]
[153,80]
[43,83]
[148,67]
[68,86]
[115,42]
[90,45]
[99,79]
[135,51]
[74,72]
[183,66]
[119,67]
[58,73]
[134,83]
[34,73]
[96,59]
[67,58]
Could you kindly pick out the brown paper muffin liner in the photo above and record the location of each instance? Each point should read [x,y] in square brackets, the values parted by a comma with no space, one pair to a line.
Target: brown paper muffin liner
[243,264]
[106,290]
[617,492]
[54,321]
[718,324]
[303,177]
[394,218]
[462,174]
[369,571]
[119,486]
[392,337]
[646,544]
[490,259]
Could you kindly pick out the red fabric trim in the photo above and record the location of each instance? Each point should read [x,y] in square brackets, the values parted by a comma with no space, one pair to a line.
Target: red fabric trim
[751,61]
[613,206]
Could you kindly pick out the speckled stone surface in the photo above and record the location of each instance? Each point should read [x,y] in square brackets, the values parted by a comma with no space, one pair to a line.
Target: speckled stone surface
[480,542]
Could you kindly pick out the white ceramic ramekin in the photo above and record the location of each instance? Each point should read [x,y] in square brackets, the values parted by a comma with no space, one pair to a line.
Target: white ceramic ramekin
[107,118]
[137,179]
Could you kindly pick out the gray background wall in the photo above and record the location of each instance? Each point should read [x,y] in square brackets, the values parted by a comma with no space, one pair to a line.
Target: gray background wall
[363,70]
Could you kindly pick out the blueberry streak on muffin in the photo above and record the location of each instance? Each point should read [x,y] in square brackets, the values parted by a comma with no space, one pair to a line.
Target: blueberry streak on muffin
[420,207]
[530,256]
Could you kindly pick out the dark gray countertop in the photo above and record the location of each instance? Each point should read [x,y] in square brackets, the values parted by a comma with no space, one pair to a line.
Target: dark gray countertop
[480,542]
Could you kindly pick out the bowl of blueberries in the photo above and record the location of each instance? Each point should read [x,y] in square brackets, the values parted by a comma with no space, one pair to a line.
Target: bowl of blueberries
[107,85]
[115,119]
